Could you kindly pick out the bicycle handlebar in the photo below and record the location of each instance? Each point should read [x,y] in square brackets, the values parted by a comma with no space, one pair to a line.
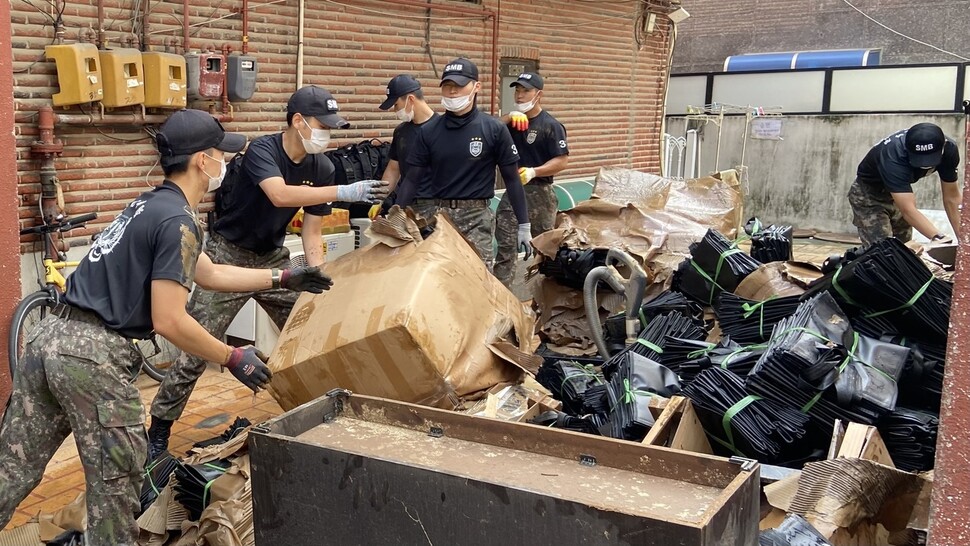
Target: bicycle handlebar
[62,225]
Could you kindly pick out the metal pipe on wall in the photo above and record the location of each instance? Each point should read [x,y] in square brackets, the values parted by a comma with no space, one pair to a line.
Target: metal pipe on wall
[185,26]
[101,44]
[299,47]
[245,27]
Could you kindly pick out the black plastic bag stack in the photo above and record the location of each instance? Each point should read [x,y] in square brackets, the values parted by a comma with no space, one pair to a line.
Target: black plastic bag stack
[749,321]
[746,425]
[570,266]
[568,381]
[817,363]
[687,357]
[636,381]
[596,400]
[192,485]
[68,538]
[236,428]
[651,339]
[887,279]
[772,244]
[667,302]
[921,385]
[910,436]
[551,357]
[157,474]
[715,265]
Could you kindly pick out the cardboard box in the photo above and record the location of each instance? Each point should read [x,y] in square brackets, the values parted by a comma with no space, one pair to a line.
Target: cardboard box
[415,323]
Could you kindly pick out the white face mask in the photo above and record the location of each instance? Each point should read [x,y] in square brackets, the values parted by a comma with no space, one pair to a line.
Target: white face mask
[403,113]
[526,106]
[216,181]
[457,104]
[318,141]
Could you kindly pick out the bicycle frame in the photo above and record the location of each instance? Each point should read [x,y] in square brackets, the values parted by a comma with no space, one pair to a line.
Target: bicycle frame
[52,273]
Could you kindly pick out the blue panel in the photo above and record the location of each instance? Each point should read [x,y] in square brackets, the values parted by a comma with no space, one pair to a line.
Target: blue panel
[802,59]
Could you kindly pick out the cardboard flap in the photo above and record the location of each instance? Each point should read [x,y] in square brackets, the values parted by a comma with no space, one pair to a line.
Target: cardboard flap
[25,535]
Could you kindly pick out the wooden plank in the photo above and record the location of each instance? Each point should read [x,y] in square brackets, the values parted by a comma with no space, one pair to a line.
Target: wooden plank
[864,442]
[838,433]
[666,423]
[690,435]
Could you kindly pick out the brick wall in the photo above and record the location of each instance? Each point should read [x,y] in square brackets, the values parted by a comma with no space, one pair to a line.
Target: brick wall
[599,84]
[716,30]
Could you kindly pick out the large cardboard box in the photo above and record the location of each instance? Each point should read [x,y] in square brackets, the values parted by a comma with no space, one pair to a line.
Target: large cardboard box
[421,322]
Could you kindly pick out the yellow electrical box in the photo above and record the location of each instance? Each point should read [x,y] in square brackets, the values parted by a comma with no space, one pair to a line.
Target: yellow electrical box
[164,80]
[124,77]
[78,73]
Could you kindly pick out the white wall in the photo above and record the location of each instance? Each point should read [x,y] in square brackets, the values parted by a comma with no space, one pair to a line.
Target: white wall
[803,179]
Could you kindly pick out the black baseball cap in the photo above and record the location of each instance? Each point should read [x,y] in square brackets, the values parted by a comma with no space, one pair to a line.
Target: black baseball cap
[460,71]
[186,132]
[924,145]
[399,86]
[529,80]
[316,102]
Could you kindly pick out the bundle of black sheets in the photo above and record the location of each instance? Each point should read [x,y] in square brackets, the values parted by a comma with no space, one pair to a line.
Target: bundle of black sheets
[749,321]
[667,302]
[651,339]
[816,363]
[770,243]
[741,424]
[587,424]
[887,279]
[715,265]
[637,379]
[156,477]
[921,385]
[910,436]
[192,485]
[688,357]
[568,381]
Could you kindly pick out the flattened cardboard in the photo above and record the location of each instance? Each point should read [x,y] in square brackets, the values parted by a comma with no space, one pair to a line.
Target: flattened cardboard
[412,323]
[768,281]
[678,427]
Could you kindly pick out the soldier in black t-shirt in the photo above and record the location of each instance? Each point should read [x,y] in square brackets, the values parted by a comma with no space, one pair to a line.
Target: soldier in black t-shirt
[279,174]
[882,200]
[79,365]
[461,150]
[543,153]
[404,95]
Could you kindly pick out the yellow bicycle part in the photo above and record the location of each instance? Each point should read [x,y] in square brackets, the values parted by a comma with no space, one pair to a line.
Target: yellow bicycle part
[52,273]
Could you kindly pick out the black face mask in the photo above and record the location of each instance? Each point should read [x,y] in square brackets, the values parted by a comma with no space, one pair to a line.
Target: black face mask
[453,121]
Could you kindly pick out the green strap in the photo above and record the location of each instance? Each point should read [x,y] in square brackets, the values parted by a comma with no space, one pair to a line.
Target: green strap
[840,290]
[630,394]
[586,372]
[841,368]
[643,318]
[650,345]
[760,307]
[701,352]
[717,271]
[739,350]
[919,293]
[205,490]
[729,415]
[148,475]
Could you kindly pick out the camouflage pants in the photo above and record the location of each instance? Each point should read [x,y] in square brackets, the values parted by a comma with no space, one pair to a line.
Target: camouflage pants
[215,311]
[475,224]
[543,205]
[76,375]
[876,216]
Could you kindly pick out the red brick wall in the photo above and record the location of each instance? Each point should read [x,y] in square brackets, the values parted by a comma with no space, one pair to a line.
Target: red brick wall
[606,91]
[9,258]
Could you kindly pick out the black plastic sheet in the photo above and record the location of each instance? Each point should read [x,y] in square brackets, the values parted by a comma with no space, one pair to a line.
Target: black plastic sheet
[910,436]
[636,381]
[716,265]
[192,485]
[68,538]
[157,475]
[652,338]
[236,428]
[888,280]
[568,381]
[749,321]
[587,424]
[687,357]
[744,424]
[815,362]
[772,244]
[570,267]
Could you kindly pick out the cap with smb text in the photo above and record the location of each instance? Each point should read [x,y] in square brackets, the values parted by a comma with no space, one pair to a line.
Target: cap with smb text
[186,132]
[924,145]
[316,102]
[461,71]
[529,80]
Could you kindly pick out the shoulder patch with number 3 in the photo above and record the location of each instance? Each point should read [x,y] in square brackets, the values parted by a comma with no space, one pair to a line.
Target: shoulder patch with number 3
[562,143]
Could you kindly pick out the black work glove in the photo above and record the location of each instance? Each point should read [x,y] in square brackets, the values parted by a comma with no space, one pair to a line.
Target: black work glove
[305,279]
[248,365]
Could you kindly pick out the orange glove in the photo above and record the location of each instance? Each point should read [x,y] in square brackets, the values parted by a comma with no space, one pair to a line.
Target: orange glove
[519,121]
